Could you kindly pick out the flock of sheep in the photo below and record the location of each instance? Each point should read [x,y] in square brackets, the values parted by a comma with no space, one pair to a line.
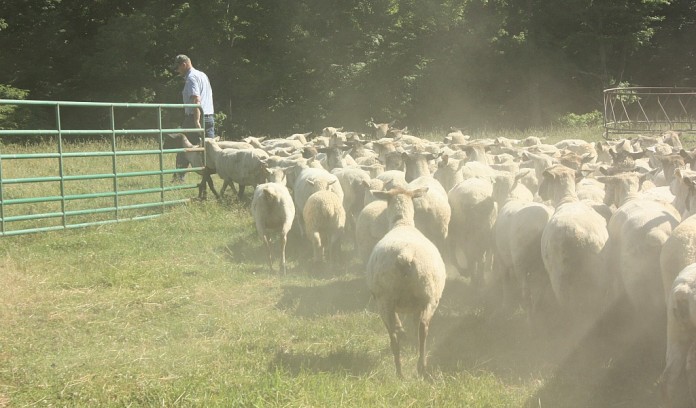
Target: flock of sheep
[578,222]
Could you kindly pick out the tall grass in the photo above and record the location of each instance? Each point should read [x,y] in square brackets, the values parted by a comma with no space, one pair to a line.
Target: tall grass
[181,311]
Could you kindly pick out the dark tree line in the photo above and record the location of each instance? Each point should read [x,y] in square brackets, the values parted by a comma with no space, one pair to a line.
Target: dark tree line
[278,67]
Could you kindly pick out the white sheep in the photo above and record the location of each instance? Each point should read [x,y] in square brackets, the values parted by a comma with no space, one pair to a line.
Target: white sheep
[354,183]
[373,184]
[380,130]
[273,210]
[679,250]
[416,164]
[309,181]
[637,231]
[681,327]
[245,167]
[448,172]
[392,179]
[370,227]
[573,248]
[405,274]
[470,229]
[325,221]
[196,159]
[517,245]
[433,211]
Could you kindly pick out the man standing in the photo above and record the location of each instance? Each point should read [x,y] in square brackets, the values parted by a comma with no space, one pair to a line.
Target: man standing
[196,90]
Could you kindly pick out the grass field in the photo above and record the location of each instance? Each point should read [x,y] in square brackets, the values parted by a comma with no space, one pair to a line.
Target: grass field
[181,311]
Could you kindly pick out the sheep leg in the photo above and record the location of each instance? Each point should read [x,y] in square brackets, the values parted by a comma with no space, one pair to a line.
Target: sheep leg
[677,349]
[423,327]
[316,244]
[206,180]
[334,251]
[674,369]
[270,253]
[283,241]
[390,320]
[209,179]
[691,372]
[202,193]
[224,187]
[240,194]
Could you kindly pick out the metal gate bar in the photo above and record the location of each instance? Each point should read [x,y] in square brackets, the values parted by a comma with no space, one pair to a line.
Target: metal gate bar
[117,208]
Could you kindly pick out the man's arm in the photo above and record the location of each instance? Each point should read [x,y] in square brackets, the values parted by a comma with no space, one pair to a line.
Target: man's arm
[196,112]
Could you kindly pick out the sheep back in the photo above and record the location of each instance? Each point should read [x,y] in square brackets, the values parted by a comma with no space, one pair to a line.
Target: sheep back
[406,271]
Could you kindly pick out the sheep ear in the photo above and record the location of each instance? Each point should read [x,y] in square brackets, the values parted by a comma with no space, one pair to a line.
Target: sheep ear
[581,174]
[310,182]
[688,156]
[604,170]
[605,179]
[333,181]
[637,155]
[419,192]
[380,195]
[522,173]
[690,182]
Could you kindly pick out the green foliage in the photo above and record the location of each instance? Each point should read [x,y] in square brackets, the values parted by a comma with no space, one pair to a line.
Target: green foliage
[302,65]
[590,119]
[9,119]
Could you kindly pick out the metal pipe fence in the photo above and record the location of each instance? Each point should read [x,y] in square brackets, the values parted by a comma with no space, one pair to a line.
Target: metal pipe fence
[76,185]
[636,110]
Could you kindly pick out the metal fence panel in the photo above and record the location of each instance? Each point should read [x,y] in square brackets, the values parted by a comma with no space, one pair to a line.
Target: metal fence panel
[636,110]
[81,187]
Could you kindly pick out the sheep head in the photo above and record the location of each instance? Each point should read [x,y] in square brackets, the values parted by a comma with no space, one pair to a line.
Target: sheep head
[400,210]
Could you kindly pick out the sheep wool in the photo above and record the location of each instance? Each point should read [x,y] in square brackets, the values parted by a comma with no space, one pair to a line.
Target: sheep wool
[273,210]
[405,274]
[325,220]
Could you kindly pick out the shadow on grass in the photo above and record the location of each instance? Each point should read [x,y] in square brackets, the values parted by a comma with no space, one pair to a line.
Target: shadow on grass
[249,248]
[338,361]
[246,248]
[330,298]
[614,363]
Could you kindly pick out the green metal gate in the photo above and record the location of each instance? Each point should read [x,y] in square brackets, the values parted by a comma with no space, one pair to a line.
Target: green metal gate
[57,187]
